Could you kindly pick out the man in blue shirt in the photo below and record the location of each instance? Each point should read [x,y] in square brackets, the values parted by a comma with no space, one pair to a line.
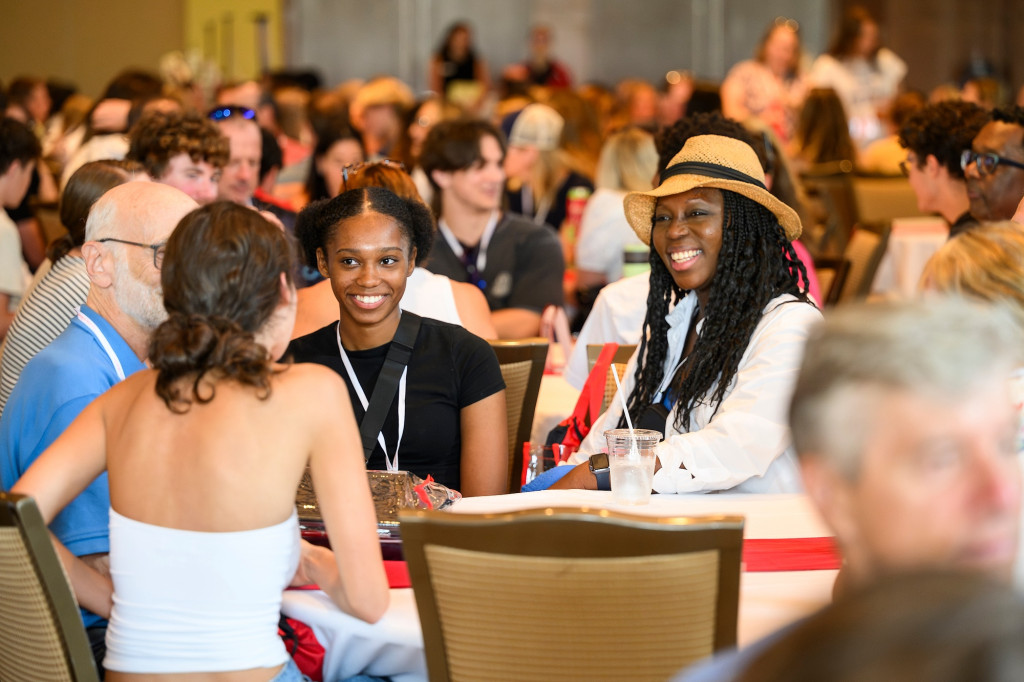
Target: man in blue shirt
[104,343]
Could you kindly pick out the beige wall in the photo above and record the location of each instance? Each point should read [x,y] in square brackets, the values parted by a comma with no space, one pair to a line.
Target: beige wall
[224,31]
[86,41]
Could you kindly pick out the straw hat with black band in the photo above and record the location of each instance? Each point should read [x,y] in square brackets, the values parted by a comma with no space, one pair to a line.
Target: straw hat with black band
[710,161]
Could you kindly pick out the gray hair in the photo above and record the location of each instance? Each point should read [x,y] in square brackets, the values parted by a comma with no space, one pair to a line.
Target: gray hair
[942,346]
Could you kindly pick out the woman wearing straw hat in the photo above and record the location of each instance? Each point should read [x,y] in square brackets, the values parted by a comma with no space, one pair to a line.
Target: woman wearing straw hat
[724,331]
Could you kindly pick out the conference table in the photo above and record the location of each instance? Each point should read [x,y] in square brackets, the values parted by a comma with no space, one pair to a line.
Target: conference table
[782,533]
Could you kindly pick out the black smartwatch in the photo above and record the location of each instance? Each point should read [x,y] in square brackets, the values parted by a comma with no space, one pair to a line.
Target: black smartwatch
[599,467]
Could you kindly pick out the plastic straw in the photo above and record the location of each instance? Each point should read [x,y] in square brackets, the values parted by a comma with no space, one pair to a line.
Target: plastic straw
[634,449]
[622,399]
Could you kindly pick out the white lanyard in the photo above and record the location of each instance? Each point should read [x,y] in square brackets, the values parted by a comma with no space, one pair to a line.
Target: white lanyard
[392,464]
[485,239]
[91,326]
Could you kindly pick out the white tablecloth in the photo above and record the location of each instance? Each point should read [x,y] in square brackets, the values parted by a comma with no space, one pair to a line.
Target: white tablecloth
[911,243]
[391,647]
[394,646]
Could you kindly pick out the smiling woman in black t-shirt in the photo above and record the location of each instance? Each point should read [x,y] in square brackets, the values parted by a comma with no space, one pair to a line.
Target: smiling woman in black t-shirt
[448,413]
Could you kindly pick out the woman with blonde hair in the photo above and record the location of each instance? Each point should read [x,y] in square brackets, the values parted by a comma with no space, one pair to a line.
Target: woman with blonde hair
[539,173]
[628,163]
[986,262]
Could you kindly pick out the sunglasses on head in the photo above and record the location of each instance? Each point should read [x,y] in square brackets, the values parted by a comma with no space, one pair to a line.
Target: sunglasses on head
[226,112]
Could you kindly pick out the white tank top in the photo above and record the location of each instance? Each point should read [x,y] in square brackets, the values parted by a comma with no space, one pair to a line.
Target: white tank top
[430,295]
[190,601]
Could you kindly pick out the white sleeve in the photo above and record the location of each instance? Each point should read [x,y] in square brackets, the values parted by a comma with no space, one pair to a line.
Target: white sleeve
[12,268]
[751,428]
[599,329]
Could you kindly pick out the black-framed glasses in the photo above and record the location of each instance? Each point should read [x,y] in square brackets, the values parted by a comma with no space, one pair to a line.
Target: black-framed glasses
[227,111]
[985,163]
[158,249]
[353,168]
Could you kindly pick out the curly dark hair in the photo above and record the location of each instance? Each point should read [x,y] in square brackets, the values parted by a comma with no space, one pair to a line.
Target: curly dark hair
[755,265]
[943,130]
[221,279]
[670,140]
[318,222]
[159,137]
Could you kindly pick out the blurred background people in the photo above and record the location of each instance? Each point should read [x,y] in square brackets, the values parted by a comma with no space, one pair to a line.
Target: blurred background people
[770,86]
[457,72]
[865,75]
[337,148]
[605,241]
[539,176]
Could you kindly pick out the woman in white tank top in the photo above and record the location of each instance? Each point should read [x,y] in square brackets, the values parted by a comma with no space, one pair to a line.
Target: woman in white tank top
[204,454]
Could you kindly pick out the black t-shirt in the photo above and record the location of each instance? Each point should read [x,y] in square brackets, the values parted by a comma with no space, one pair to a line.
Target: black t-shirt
[524,267]
[964,223]
[450,368]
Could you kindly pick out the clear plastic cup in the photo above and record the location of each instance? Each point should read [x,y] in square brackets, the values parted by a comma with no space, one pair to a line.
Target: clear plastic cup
[631,460]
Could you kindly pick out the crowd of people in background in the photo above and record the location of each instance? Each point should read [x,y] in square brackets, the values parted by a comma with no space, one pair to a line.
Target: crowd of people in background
[567,150]
[671,215]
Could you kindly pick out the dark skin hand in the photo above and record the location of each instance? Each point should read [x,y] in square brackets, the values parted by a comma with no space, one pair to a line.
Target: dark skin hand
[581,477]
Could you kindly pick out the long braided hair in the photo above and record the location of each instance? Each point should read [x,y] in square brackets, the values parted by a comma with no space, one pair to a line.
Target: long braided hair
[756,264]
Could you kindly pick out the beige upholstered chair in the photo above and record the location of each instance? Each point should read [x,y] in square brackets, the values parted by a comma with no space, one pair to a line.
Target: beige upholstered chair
[41,633]
[522,366]
[832,274]
[619,361]
[571,594]
[883,199]
[864,251]
[622,354]
[829,186]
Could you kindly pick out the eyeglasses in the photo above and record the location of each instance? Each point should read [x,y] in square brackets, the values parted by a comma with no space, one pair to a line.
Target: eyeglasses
[227,111]
[985,164]
[158,249]
[353,168]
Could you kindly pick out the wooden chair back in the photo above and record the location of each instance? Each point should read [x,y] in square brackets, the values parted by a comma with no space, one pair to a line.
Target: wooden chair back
[522,367]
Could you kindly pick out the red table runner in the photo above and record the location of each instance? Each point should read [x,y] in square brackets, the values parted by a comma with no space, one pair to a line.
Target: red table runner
[759,556]
[790,554]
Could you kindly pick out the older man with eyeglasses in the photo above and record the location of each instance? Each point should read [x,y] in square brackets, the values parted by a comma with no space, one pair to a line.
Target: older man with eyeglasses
[994,166]
[105,342]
